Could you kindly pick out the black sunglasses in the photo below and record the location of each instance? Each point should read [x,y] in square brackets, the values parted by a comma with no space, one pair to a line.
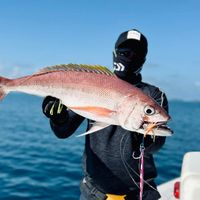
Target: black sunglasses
[129,53]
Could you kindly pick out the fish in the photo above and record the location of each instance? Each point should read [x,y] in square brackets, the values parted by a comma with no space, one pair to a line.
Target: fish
[95,93]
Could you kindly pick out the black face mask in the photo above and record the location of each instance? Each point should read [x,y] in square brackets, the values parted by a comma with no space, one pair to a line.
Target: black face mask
[127,64]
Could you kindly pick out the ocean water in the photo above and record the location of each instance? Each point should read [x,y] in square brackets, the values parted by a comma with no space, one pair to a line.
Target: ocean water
[34,164]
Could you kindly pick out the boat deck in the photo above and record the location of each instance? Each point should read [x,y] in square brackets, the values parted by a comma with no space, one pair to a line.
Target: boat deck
[167,190]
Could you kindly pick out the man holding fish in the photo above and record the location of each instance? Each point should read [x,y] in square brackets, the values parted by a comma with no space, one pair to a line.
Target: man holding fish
[110,161]
[123,114]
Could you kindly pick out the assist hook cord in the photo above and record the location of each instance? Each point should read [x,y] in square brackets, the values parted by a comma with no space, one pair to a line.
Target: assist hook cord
[142,148]
[141,157]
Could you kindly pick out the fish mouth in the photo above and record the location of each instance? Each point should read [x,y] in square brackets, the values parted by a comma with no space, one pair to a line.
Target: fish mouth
[159,126]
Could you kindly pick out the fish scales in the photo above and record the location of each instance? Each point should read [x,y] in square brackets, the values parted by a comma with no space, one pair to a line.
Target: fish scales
[61,84]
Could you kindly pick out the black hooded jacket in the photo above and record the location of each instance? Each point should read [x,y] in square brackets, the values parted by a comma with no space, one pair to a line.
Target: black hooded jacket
[108,161]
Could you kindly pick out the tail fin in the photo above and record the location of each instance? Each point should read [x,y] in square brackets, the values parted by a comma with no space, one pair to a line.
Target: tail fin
[3,83]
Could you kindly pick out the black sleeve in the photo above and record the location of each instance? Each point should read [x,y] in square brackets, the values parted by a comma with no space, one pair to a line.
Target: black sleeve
[67,128]
[151,145]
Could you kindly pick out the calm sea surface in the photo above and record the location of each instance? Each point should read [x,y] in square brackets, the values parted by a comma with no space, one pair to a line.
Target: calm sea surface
[34,164]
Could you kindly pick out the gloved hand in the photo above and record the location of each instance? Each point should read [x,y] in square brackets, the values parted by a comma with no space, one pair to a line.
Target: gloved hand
[53,109]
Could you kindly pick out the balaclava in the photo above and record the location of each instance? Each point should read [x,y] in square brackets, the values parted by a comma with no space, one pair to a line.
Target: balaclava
[129,55]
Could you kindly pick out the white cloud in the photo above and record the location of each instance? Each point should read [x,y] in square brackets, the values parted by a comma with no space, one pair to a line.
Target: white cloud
[197,83]
[175,86]
[13,70]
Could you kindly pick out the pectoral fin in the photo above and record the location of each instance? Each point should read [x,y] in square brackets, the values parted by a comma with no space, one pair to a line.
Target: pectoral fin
[96,127]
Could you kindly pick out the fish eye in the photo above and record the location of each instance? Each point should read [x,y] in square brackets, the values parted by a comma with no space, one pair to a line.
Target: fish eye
[148,110]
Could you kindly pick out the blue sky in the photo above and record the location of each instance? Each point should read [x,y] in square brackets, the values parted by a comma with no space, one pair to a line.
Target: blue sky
[39,33]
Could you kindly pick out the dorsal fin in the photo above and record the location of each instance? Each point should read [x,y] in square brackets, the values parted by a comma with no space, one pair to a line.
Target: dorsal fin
[98,69]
